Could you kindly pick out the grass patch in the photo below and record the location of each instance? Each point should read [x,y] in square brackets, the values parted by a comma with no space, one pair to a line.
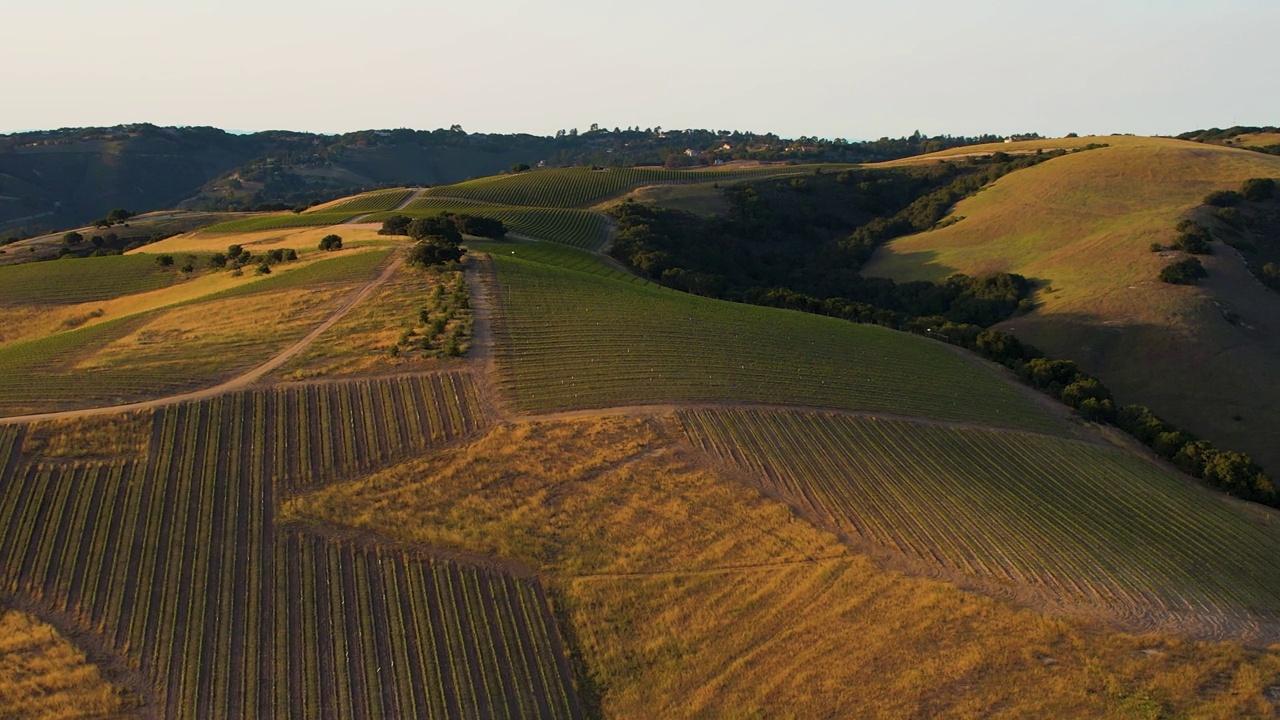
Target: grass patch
[283,220]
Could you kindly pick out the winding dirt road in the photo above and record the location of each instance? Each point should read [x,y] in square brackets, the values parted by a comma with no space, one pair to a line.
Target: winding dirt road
[237,383]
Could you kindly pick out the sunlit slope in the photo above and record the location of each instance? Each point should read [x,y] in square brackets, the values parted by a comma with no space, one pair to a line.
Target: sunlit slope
[1082,226]
[567,339]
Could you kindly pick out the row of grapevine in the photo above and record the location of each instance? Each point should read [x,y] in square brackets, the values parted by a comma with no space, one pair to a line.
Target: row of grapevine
[368,202]
[1084,523]
[575,228]
[174,561]
[565,340]
[82,279]
[380,633]
[277,221]
[583,187]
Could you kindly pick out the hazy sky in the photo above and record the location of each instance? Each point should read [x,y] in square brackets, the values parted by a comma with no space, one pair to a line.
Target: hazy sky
[801,67]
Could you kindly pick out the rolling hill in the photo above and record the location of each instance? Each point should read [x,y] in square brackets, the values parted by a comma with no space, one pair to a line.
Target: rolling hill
[1082,227]
[537,485]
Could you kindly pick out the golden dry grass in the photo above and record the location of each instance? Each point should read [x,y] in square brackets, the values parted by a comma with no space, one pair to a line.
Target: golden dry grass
[27,322]
[124,435]
[209,338]
[1082,226]
[359,343]
[304,240]
[702,199]
[691,595]
[42,675]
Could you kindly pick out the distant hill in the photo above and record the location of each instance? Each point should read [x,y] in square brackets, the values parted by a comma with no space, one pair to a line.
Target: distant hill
[57,179]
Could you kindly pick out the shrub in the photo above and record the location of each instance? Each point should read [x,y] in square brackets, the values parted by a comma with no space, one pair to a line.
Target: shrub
[1183,272]
[1223,198]
[1258,189]
[164,260]
[330,243]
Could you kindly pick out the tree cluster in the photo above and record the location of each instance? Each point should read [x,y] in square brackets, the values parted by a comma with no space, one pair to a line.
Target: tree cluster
[446,224]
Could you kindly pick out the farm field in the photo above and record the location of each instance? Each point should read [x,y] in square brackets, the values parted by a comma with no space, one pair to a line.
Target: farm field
[79,280]
[174,559]
[283,220]
[576,228]
[692,595]
[566,340]
[1081,227]
[583,187]
[177,348]
[302,239]
[366,202]
[1073,522]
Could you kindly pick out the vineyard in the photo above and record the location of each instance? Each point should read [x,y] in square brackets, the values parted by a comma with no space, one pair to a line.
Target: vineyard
[65,282]
[582,187]
[576,228]
[285,220]
[174,560]
[1079,522]
[566,340]
[561,256]
[366,203]
[175,349]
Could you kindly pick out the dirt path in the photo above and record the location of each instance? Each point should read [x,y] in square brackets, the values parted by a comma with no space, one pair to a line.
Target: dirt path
[237,383]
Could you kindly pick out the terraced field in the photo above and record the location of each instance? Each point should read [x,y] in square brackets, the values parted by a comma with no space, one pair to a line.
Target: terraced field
[576,228]
[65,282]
[582,187]
[1078,521]
[365,203]
[567,339]
[175,561]
[285,220]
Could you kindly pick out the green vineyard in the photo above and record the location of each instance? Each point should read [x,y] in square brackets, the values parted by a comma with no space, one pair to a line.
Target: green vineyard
[175,562]
[1081,521]
[566,339]
[368,202]
[582,187]
[576,228]
[82,279]
[285,220]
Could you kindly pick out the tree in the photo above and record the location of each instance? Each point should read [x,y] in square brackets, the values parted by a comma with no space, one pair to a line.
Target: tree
[233,251]
[520,167]
[435,250]
[164,260]
[1183,272]
[395,225]
[263,269]
[72,238]
[438,226]
[480,226]
[1258,189]
[1223,198]
[330,243]
[218,260]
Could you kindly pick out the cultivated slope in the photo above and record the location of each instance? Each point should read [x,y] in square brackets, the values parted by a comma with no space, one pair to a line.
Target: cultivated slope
[1082,226]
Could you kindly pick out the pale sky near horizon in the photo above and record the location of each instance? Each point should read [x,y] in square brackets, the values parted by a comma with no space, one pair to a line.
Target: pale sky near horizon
[858,70]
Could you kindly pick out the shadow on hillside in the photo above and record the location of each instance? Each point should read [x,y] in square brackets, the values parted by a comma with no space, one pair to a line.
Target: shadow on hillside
[919,265]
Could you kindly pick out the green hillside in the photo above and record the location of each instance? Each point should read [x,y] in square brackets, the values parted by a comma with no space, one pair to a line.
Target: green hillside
[568,339]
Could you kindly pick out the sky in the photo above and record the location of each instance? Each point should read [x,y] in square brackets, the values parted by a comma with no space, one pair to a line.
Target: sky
[824,68]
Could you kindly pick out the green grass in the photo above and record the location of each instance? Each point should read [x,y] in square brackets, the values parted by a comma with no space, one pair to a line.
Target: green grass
[1082,522]
[367,202]
[560,256]
[582,187]
[566,339]
[69,281]
[282,220]
[576,228]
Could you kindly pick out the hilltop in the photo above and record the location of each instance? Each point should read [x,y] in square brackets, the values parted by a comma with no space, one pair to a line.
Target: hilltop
[1082,228]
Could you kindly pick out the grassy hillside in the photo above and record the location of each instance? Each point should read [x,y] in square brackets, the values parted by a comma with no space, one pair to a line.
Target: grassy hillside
[692,595]
[45,676]
[568,339]
[1081,226]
